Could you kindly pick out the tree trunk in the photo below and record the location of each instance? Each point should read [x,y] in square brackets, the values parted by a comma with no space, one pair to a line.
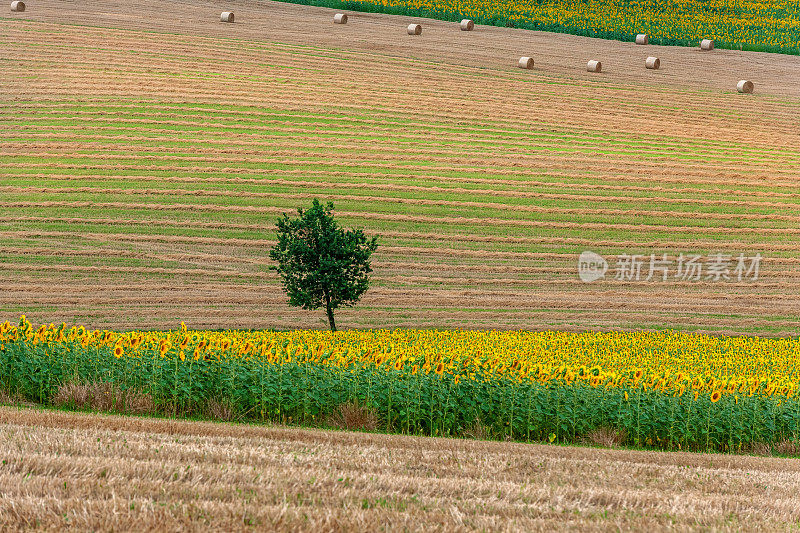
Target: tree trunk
[331,321]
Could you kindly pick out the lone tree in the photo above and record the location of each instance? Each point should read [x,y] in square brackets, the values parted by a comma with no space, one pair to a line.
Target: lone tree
[321,263]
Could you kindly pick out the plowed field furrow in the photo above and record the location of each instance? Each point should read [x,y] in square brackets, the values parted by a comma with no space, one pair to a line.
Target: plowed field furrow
[379,182]
[264,244]
[615,172]
[265,133]
[666,230]
[734,219]
[254,131]
[417,201]
[740,246]
[145,154]
[361,148]
[382,117]
[24,286]
[536,298]
[28,221]
[585,181]
[532,319]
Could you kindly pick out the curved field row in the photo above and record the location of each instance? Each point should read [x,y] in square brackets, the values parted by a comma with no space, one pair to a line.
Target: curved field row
[427,299]
[182,195]
[437,182]
[696,245]
[460,220]
[128,133]
[105,191]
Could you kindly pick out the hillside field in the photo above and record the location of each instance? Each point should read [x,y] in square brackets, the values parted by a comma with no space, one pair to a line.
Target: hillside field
[147,149]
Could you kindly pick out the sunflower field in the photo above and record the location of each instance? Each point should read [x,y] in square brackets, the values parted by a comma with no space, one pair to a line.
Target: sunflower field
[762,25]
[666,390]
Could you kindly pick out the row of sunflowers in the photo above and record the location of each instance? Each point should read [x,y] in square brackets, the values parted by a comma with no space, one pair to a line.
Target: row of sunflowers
[665,389]
[763,25]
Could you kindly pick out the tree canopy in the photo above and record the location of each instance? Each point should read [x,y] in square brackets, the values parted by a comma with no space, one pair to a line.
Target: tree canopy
[321,264]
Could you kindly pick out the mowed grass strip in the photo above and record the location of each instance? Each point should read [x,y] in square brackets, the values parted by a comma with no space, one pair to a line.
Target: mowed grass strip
[117,126]
[112,122]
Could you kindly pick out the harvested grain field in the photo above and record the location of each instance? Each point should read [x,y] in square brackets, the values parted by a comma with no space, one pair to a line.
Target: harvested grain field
[145,152]
[61,469]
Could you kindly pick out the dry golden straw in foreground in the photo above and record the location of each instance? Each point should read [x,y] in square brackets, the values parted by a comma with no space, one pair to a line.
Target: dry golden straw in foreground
[108,472]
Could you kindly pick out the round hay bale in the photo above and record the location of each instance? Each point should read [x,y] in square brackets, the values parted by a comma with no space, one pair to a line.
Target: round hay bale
[340,18]
[707,44]
[594,66]
[226,16]
[653,63]
[18,6]
[745,86]
[641,38]
[467,25]
[415,29]
[525,62]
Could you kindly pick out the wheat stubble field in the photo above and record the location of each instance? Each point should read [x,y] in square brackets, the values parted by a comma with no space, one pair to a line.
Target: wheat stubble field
[146,150]
[102,472]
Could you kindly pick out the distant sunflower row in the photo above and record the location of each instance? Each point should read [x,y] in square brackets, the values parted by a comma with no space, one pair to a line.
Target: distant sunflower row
[668,389]
[765,25]
[666,361]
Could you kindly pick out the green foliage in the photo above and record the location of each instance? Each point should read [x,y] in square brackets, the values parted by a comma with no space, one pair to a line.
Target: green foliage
[321,263]
[283,385]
